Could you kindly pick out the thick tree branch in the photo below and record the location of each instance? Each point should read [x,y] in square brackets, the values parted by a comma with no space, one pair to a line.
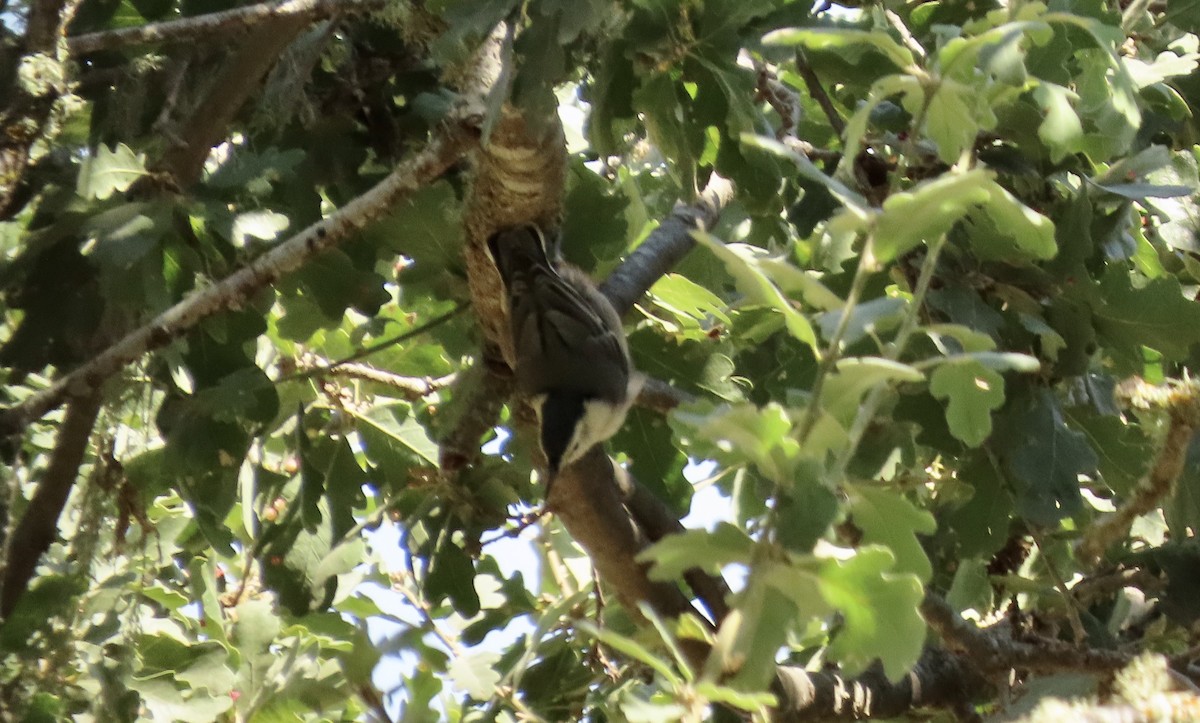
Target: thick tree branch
[221,23]
[974,662]
[585,497]
[39,525]
[519,179]
[444,150]
[938,680]
[604,509]
[243,74]
[666,246]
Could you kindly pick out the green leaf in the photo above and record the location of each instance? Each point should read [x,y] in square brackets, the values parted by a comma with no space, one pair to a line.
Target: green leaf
[392,435]
[255,630]
[805,508]
[1179,560]
[928,210]
[426,227]
[953,119]
[973,392]
[708,551]
[1043,457]
[630,647]
[880,610]
[255,170]
[891,520]
[965,338]
[452,574]
[850,198]
[746,434]
[1061,130]
[1123,452]
[689,302]
[754,630]
[852,44]
[742,260]
[972,587]
[906,86]
[873,317]
[106,172]
[669,126]
[1179,216]
[164,701]
[264,225]
[857,376]
[475,673]
[1031,233]
[1156,315]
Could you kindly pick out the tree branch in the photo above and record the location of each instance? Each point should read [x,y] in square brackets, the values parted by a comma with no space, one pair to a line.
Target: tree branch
[657,521]
[39,525]
[666,246]
[662,396]
[222,23]
[994,652]
[950,678]
[817,91]
[1183,406]
[411,388]
[208,124]
[444,150]
[585,497]
[519,179]
[478,395]
[938,680]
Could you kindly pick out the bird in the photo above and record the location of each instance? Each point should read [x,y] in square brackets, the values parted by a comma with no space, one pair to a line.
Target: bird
[571,358]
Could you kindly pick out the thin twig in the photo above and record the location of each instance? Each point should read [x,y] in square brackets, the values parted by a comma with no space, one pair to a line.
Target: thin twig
[813,153]
[1183,405]
[906,35]
[411,387]
[1060,583]
[780,97]
[380,345]
[817,91]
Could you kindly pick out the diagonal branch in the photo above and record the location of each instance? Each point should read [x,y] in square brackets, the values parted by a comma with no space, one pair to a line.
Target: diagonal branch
[1183,407]
[242,75]
[39,525]
[585,497]
[666,246]
[221,23]
[446,147]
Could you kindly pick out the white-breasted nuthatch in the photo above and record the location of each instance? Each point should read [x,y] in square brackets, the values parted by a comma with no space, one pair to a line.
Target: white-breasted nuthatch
[571,357]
